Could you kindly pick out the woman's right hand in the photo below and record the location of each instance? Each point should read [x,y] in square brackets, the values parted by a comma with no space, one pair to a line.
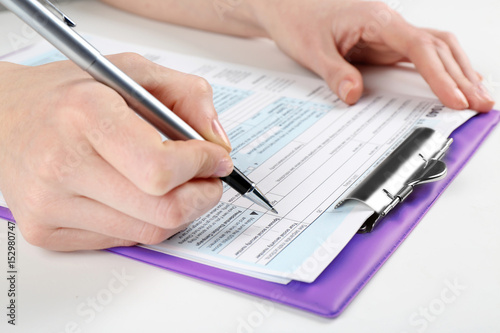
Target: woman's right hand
[80,170]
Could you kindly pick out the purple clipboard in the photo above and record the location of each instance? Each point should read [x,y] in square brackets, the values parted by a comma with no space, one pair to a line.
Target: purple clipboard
[343,279]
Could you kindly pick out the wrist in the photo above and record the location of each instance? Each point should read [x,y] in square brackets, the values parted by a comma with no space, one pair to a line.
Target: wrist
[243,15]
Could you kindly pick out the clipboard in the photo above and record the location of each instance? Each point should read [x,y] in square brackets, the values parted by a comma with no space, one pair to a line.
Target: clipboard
[351,270]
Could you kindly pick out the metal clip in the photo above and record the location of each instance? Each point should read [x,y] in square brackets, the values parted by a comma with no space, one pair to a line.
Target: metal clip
[416,161]
[56,11]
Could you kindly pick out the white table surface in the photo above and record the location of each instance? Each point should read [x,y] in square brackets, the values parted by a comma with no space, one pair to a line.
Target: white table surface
[456,242]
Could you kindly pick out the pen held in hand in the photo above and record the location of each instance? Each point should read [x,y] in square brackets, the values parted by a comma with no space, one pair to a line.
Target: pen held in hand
[58,31]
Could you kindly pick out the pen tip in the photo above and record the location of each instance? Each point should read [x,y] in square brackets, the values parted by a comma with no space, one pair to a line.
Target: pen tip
[260,199]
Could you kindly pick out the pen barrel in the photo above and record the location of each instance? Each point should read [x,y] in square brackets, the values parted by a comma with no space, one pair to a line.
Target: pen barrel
[53,30]
[82,53]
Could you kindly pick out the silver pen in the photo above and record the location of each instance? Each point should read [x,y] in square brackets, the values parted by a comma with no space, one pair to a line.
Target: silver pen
[53,25]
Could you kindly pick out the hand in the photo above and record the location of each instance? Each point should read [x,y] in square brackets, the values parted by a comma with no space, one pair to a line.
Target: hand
[328,35]
[80,170]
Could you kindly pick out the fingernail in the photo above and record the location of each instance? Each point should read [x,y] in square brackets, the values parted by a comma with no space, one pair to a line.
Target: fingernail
[345,88]
[464,104]
[483,94]
[219,131]
[224,168]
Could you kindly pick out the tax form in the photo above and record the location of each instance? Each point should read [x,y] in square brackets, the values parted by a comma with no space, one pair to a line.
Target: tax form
[304,148]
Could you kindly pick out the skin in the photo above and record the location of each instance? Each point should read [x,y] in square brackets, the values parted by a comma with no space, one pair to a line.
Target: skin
[103,179]
[327,36]
[79,179]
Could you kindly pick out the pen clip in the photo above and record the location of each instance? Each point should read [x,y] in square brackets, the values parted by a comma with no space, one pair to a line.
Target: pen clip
[65,18]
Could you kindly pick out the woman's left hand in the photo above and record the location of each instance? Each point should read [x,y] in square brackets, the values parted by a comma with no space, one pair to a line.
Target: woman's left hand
[327,36]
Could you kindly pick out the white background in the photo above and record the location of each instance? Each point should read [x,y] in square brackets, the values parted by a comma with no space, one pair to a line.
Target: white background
[456,242]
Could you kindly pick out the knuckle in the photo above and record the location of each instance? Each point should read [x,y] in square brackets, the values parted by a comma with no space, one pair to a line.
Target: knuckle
[32,232]
[129,59]
[379,5]
[205,161]
[157,178]
[142,69]
[381,12]
[213,193]
[151,234]
[186,207]
[81,100]
[51,165]
[448,37]
[441,45]
[200,201]
[162,214]
[81,94]
[423,39]
[177,216]
[420,41]
[161,168]
[200,86]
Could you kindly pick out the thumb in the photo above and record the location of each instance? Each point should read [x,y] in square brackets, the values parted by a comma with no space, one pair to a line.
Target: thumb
[342,77]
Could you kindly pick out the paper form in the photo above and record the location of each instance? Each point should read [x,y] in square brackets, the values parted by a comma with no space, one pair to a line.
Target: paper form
[303,147]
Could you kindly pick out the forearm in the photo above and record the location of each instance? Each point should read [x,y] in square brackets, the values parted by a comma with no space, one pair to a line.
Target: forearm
[235,17]
[327,36]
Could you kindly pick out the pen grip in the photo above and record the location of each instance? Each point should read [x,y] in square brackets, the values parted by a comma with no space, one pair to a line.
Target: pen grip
[238,181]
